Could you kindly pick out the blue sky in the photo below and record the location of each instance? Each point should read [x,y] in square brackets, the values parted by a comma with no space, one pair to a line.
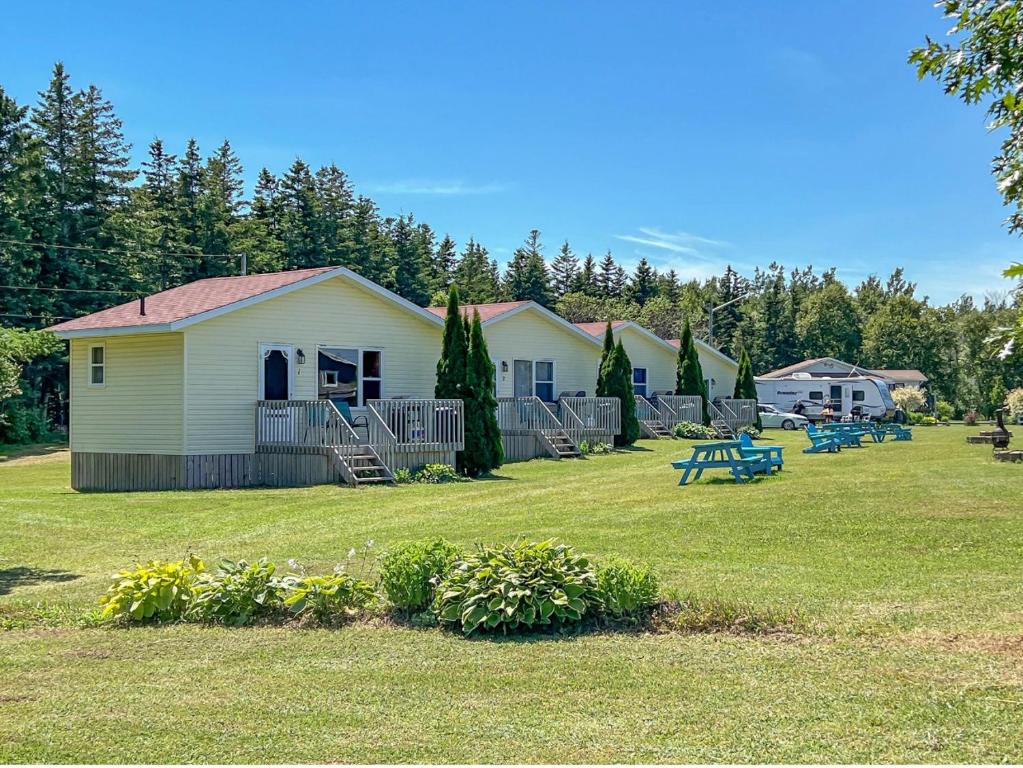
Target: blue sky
[690,133]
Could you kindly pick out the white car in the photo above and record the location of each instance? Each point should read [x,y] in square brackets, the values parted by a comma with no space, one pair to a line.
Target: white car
[772,417]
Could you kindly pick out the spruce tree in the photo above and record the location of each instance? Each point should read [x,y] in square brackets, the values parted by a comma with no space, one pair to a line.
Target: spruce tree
[644,283]
[586,280]
[526,278]
[483,449]
[564,271]
[411,261]
[476,275]
[745,385]
[445,259]
[688,371]
[453,352]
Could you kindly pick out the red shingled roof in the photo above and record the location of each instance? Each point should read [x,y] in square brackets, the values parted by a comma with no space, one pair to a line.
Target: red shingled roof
[188,300]
[597,329]
[487,311]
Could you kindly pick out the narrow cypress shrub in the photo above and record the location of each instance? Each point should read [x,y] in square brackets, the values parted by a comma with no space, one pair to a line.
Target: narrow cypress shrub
[453,353]
[745,386]
[609,347]
[618,383]
[689,372]
[483,449]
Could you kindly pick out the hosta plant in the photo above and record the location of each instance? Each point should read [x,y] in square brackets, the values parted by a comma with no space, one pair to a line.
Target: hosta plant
[237,593]
[515,587]
[409,572]
[626,590]
[687,430]
[327,599]
[152,591]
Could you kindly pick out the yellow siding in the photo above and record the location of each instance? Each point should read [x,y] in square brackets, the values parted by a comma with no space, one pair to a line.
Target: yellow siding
[660,363]
[222,355]
[139,409]
[529,335]
[658,360]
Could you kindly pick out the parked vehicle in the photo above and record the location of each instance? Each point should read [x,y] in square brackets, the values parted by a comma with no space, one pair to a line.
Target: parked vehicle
[772,417]
[822,398]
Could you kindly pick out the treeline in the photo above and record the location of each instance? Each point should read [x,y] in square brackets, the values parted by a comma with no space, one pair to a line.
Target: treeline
[76,215]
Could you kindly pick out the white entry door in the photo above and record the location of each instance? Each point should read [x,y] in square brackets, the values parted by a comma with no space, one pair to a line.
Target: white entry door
[276,384]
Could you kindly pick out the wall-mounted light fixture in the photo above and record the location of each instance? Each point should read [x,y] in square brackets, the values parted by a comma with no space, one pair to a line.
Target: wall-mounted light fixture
[300,357]
[504,366]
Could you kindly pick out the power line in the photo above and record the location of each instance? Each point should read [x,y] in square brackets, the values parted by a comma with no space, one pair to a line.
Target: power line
[36,317]
[138,252]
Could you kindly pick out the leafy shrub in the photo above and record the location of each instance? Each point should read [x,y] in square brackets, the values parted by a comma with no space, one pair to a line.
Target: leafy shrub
[1014,402]
[970,418]
[403,476]
[946,411]
[595,449]
[437,473]
[236,593]
[409,572]
[687,430]
[521,586]
[154,591]
[928,421]
[626,590]
[909,399]
[750,430]
[327,599]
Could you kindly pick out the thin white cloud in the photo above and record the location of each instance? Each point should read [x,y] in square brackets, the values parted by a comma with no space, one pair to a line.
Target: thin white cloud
[433,187]
[675,242]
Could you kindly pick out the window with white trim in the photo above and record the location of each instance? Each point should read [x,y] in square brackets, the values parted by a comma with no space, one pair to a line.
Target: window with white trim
[350,375]
[543,380]
[97,365]
[372,381]
[639,381]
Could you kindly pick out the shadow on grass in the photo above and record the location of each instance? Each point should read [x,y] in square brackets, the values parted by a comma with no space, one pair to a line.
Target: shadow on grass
[24,576]
[12,452]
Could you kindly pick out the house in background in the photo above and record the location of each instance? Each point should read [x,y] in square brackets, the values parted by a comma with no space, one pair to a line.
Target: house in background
[830,367]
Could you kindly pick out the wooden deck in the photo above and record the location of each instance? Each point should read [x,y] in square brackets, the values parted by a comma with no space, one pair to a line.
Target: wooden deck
[531,428]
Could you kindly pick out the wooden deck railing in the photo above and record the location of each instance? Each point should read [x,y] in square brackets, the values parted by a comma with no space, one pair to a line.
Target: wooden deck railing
[675,409]
[417,425]
[735,413]
[294,426]
[582,416]
[645,410]
[525,415]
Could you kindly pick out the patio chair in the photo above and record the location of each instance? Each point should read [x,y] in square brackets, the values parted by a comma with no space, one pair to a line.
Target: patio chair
[355,422]
[821,442]
[772,453]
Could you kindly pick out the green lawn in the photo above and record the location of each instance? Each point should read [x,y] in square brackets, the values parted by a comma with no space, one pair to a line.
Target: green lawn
[905,560]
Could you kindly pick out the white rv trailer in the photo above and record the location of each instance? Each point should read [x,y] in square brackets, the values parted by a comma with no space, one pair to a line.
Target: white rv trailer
[870,396]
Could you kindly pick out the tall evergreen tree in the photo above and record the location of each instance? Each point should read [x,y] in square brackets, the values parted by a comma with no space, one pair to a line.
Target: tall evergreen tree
[445,260]
[476,275]
[745,386]
[644,283]
[617,382]
[605,356]
[157,204]
[301,217]
[483,449]
[453,353]
[526,278]
[608,277]
[372,252]
[411,261]
[564,271]
[335,202]
[586,282]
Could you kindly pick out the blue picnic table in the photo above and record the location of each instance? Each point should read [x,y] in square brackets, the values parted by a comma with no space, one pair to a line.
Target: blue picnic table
[722,454]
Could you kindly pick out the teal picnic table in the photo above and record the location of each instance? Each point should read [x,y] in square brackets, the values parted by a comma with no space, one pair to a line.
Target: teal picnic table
[723,454]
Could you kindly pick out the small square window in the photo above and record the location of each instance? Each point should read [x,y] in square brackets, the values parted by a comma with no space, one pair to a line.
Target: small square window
[859,395]
[816,395]
[328,379]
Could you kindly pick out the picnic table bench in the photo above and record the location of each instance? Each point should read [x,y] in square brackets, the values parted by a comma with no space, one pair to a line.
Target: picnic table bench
[722,454]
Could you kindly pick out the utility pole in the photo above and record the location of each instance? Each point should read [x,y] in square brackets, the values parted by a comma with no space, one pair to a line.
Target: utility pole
[711,309]
[245,264]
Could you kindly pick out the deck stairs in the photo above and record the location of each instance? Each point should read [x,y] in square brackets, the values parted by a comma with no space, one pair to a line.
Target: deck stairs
[559,445]
[720,426]
[364,467]
[655,429]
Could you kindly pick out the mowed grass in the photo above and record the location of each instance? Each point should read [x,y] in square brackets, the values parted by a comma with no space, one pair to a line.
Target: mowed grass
[904,560]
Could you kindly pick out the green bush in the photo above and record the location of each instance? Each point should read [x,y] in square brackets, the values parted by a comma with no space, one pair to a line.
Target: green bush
[521,586]
[403,476]
[687,430]
[626,590]
[750,430]
[236,593]
[154,591]
[437,473]
[595,449]
[946,411]
[409,572]
[327,599]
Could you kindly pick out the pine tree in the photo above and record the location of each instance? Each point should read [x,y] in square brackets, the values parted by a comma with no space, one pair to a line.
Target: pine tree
[586,282]
[644,283]
[608,278]
[411,262]
[605,356]
[483,449]
[745,386]
[445,260]
[335,202]
[220,204]
[300,220]
[266,248]
[476,275]
[157,204]
[526,278]
[372,252]
[452,363]
[688,371]
[564,271]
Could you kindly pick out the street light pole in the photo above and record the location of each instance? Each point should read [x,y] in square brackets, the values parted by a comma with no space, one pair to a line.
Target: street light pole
[711,309]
